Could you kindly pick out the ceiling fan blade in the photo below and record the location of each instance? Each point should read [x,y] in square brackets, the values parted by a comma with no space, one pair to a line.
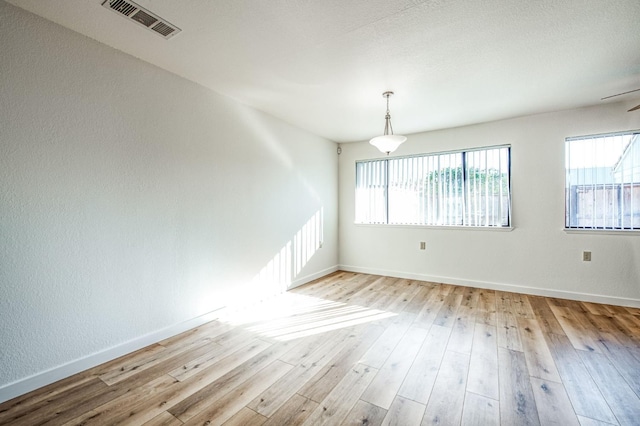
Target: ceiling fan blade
[634,108]
[619,94]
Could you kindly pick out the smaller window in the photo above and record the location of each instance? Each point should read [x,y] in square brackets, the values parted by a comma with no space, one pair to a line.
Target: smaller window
[602,183]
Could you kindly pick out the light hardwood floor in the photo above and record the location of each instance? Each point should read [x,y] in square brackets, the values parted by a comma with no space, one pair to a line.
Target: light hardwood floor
[361,349]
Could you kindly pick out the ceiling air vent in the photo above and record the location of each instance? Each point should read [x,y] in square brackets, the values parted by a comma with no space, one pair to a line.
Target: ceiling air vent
[142,16]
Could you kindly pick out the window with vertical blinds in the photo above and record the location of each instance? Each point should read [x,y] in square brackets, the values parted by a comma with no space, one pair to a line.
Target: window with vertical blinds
[602,182]
[463,188]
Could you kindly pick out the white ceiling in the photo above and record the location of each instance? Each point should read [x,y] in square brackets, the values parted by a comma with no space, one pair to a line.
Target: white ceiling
[323,64]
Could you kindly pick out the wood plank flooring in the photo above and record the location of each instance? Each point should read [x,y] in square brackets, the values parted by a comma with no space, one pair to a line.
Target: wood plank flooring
[359,349]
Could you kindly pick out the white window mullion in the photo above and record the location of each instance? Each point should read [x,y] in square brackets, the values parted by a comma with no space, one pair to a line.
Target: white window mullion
[486,188]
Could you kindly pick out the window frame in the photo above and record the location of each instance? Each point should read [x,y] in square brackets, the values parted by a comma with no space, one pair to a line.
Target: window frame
[599,230]
[464,152]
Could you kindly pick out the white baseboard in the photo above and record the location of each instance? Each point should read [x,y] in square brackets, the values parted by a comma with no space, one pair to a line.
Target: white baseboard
[308,278]
[38,380]
[561,294]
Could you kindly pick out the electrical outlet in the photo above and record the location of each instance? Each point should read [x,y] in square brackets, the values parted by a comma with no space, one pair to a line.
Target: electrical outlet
[423,245]
[586,256]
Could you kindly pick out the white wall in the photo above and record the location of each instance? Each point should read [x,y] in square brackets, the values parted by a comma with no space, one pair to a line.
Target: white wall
[537,256]
[133,201]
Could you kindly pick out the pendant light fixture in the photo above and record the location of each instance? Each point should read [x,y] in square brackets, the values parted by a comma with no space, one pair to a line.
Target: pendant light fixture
[388,142]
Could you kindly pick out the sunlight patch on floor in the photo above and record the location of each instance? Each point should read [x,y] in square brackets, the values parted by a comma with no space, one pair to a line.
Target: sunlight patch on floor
[290,316]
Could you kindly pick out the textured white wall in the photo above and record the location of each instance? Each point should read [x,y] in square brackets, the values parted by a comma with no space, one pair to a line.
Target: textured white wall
[132,200]
[537,254]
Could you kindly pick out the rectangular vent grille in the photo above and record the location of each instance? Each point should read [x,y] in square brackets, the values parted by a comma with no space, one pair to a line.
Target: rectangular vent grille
[163,29]
[142,16]
[122,7]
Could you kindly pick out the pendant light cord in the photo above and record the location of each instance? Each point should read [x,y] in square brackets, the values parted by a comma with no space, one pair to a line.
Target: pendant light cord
[388,129]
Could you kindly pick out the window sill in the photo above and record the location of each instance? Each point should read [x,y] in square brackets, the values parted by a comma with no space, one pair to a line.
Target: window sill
[635,232]
[441,227]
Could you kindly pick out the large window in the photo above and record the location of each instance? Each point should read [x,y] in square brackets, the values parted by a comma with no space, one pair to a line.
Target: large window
[464,188]
[602,184]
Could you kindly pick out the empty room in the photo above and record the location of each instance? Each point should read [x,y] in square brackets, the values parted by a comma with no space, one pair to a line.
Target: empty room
[403,212]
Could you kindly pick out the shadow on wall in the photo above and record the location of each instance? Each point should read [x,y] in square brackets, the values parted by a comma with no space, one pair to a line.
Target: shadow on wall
[281,271]
[270,249]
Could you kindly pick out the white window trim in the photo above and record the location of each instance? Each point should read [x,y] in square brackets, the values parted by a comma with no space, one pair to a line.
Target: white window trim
[440,227]
[591,231]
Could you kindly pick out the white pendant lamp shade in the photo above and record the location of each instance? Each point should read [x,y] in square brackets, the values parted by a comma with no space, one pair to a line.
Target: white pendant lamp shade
[388,142]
